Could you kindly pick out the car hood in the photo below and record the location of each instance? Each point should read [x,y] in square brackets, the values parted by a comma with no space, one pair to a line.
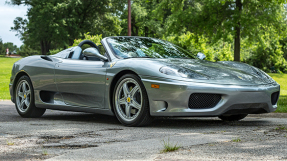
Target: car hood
[223,72]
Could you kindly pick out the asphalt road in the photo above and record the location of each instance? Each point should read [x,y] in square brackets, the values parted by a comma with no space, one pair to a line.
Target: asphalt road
[79,136]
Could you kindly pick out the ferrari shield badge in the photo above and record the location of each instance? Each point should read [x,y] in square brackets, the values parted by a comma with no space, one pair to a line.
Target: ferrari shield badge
[112,64]
[239,77]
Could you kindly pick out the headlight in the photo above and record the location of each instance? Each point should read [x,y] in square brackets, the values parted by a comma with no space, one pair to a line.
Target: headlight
[181,72]
[262,74]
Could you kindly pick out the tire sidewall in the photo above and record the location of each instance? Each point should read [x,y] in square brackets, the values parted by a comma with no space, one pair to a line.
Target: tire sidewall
[145,103]
[32,99]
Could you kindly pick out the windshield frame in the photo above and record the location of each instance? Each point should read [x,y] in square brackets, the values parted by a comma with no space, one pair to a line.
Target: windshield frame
[119,57]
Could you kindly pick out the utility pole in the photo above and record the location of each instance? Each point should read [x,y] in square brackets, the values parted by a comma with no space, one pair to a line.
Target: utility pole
[129,18]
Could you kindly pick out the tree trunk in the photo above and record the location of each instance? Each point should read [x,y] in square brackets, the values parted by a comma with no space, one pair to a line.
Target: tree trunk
[146,31]
[133,26]
[42,48]
[45,47]
[237,44]
[237,34]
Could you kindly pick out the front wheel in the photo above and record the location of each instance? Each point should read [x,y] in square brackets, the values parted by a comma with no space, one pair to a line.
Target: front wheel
[25,102]
[130,101]
[233,117]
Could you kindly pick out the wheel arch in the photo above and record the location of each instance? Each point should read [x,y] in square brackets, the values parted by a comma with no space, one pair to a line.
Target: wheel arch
[114,82]
[17,77]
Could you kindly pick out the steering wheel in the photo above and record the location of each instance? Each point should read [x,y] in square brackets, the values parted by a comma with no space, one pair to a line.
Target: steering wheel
[89,42]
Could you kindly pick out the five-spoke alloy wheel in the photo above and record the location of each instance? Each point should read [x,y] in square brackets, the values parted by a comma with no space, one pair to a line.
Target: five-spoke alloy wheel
[131,102]
[24,97]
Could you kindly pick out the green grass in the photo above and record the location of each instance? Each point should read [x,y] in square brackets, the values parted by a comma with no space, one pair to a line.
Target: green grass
[168,147]
[281,128]
[282,102]
[236,140]
[5,74]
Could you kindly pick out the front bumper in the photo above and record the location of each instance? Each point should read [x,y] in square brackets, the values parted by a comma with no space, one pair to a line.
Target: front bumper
[172,98]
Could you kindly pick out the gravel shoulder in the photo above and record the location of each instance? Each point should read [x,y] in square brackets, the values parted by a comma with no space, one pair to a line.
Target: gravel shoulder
[79,136]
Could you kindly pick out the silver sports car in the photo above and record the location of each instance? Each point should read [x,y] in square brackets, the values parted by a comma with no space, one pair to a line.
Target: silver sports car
[137,79]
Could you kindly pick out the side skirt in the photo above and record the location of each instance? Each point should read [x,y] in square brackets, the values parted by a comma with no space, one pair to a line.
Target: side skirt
[74,108]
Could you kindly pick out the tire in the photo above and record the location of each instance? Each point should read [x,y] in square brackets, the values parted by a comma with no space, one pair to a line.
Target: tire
[233,117]
[130,101]
[24,99]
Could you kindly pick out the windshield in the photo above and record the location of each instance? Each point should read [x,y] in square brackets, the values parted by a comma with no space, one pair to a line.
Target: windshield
[137,47]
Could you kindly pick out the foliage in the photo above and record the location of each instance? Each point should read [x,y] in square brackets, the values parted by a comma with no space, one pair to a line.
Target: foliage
[236,140]
[283,42]
[10,46]
[219,19]
[94,38]
[55,51]
[56,23]
[143,22]
[168,147]
[224,54]
[221,51]
[25,50]
[268,54]
[281,128]
[2,49]
[10,143]
[198,26]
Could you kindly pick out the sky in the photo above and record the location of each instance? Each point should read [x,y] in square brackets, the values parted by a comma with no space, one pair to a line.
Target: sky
[7,15]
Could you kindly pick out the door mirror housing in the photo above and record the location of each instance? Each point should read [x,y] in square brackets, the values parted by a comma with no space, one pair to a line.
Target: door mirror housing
[94,52]
[201,56]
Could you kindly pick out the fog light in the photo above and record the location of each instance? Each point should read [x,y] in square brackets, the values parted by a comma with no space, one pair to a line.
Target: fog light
[160,106]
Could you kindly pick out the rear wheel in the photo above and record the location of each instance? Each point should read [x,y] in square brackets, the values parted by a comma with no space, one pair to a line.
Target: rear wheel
[233,117]
[131,104]
[25,102]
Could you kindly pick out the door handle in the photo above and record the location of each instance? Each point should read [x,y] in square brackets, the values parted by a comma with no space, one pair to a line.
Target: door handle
[58,63]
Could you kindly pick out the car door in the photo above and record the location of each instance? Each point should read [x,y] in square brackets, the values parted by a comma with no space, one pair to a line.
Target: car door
[81,82]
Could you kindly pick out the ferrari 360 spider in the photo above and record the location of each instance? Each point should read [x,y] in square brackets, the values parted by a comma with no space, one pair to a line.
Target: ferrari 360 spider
[137,79]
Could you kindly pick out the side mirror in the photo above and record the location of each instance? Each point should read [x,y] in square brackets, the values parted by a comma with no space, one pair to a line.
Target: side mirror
[94,52]
[201,56]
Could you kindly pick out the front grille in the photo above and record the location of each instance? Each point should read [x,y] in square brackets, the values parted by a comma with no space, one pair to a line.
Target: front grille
[274,98]
[203,100]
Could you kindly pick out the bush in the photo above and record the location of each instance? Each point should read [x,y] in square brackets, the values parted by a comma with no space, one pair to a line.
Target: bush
[220,51]
[55,51]
[268,55]
[24,50]
[94,38]
[193,43]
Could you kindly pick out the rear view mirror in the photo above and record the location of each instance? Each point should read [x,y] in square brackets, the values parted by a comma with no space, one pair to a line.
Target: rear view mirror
[94,52]
[201,56]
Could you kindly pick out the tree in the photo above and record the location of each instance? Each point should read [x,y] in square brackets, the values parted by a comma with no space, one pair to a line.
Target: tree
[143,22]
[56,23]
[2,49]
[24,50]
[10,46]
[218,19]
